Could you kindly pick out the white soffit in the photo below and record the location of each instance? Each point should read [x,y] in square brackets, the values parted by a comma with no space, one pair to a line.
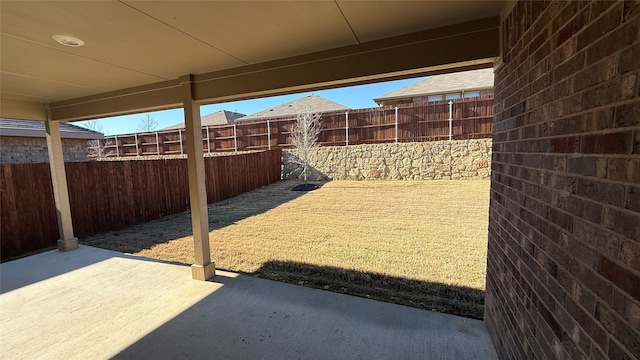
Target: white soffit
[257,31]
[374,20]
[135,43]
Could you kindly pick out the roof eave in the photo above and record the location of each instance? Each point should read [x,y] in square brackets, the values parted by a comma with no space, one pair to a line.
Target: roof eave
[377,100]
[41,134]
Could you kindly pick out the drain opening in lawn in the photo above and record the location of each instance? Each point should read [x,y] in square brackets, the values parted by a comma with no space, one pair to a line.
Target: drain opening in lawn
[305,187]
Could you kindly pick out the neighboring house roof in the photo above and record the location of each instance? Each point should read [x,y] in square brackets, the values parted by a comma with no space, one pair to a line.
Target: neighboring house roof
[312,102]
[31,128]
[441,84]
[221,117]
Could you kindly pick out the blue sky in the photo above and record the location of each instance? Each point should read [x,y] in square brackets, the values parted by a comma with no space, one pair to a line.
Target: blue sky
[355,97]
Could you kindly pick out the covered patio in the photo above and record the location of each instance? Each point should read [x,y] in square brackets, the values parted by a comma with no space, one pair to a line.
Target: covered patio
[563,241]
[93,304]
[186,54]
[127,57]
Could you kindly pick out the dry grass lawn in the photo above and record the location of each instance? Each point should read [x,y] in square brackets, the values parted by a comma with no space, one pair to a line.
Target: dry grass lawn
[421,243]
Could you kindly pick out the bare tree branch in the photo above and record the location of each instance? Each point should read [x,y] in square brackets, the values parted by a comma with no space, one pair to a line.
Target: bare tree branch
[94,125]
[304,137]
[100,149]
[147,123]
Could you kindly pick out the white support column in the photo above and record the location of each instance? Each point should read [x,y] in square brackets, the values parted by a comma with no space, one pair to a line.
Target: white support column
[235,138]
[67,240]
[450,120]
[208,141]
[203,268]
[396,124]
[346,128]
[269,133]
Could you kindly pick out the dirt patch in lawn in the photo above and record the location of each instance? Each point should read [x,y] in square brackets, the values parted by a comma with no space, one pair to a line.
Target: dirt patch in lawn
[416,243]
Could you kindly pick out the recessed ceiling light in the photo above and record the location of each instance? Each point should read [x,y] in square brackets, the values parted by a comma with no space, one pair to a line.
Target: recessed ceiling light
[68,40]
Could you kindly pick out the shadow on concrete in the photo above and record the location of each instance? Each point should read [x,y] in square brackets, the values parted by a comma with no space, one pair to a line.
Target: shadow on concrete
[221,214]
[252,318]
[451,299]
[128,307]
[45,265]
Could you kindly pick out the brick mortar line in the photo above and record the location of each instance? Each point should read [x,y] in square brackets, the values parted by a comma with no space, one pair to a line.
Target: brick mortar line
[629,212]
[571,77]
[578,134]
[507,308]
[573,114]
[564,173]
[568,116]
[568,135]
[559,302]
[527,298]
[556,172]
[621,346]
[573,154]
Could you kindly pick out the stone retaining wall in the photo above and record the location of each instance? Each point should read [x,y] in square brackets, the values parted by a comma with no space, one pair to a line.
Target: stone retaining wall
[458,159]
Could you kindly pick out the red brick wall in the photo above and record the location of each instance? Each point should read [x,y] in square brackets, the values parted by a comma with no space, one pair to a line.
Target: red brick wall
[563,277]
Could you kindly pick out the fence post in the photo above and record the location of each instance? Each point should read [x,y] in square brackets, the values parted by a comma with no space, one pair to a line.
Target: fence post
[180,135]
[396,124]
[117,148]
[135,136]
[269,133]
[208,142]
[157,144]
[235,138]
[450,118]
[346,129]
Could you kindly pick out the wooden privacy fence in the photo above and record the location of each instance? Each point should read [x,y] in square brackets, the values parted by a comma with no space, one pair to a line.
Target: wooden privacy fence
[107,195]
[472,118]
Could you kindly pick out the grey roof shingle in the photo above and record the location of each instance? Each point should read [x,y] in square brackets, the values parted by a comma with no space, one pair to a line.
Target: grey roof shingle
[313,102]
[440,84]
[33,128]
[221,117]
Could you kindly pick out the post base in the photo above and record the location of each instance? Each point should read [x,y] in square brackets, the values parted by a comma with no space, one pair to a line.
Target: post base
[200,272]
[68,244]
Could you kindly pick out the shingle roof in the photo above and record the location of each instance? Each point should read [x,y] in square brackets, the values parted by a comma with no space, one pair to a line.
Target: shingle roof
[217,118]
[313,102]
[440,84]
[31,128]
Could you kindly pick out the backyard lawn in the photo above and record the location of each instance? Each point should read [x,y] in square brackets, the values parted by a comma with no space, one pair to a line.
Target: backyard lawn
[416,243]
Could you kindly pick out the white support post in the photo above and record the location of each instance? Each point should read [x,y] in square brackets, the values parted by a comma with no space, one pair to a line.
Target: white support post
[396,124]
[67,240]
[450,119]
[117,148]
[180,136]
[157,144]
[235,138]
[208,142]
[203,268]
[135,136]
[269,133]
[346,128]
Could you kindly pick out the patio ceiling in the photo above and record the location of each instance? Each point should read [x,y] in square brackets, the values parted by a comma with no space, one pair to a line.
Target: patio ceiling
[137,53]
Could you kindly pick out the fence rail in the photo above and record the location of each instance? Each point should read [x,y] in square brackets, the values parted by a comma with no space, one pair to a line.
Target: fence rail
[106,195]
[471,118]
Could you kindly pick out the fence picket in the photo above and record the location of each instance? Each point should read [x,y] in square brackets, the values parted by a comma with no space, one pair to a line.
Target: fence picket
[107,195]
[472,119]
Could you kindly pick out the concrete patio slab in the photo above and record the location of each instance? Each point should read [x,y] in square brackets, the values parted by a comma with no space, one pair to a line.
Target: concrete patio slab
[95,303]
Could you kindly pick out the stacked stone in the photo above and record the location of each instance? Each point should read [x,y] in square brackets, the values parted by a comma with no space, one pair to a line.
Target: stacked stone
[458,159]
